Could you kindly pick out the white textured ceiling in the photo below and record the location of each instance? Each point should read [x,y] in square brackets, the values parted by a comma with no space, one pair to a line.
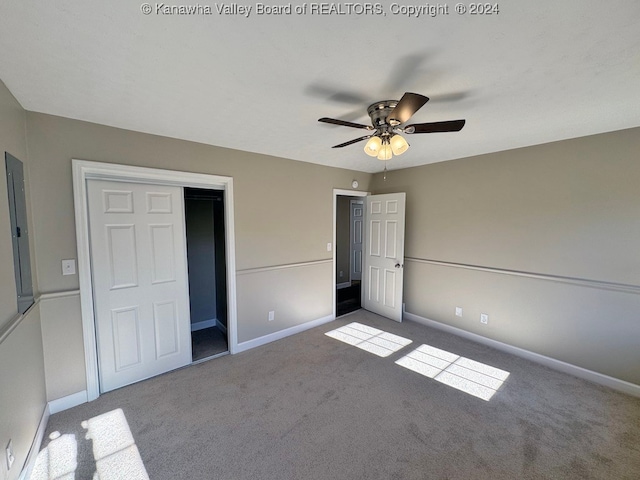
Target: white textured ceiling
[536,72]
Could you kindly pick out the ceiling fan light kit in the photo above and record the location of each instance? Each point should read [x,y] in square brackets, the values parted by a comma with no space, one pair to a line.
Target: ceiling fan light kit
[387,123]
[385,152]
[398,144]
[373,146]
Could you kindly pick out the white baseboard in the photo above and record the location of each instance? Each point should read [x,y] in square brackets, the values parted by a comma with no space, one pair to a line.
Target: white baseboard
[343,285]
[611,382]
[204,324]
[70,401]
[35,445]
[272,337]
[221,326]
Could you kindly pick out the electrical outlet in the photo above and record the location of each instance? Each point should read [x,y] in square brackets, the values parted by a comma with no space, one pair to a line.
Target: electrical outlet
[10,456]
[458,311]
[341,273]
[272,315]
[484,318]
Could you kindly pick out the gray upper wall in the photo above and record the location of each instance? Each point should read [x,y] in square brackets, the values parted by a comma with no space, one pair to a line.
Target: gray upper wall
[567,208]
[283,208]
[12,140]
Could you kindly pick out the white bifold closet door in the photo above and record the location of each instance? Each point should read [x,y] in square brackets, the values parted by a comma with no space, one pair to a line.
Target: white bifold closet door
[140,282]
[384,255]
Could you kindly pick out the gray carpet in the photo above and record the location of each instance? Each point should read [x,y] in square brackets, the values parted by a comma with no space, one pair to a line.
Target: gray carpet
[311,407]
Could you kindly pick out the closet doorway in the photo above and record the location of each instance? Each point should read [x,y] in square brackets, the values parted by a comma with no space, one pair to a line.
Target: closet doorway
[205,233]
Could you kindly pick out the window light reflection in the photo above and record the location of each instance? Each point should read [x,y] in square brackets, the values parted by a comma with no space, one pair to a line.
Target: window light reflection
[370,339]
[462,373]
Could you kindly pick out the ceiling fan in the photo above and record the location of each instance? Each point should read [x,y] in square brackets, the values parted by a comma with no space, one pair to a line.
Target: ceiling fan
[388,118]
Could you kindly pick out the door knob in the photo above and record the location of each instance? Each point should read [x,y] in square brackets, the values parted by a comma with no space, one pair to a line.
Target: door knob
[398,265]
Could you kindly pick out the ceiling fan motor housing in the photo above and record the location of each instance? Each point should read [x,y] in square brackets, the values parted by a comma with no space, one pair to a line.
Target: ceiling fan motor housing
[379,112]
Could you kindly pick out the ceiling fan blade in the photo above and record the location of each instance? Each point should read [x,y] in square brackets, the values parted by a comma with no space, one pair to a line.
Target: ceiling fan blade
[352,141]
[409,104]
[344,123]
[448,126]
[335,94]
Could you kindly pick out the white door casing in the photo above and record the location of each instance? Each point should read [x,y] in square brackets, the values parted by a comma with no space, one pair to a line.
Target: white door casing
[84,170]
[336,193]
[141,295]
[384,255]
[356,236]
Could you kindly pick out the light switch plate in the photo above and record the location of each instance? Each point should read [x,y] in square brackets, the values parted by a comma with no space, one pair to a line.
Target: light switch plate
[328,247]
[68,267]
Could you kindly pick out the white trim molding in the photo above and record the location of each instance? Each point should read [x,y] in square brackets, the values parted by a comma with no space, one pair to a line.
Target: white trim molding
[13,324]
[35,445]
[272,337]
[247,271]
[583,282]
[16,320]
[70,401]
[83,171]
[346,193]
[18,317]
[63,294]
[595,377]
[342,285]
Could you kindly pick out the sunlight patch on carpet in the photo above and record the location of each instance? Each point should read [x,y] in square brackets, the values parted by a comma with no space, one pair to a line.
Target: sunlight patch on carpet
[370,339]
[59,460]
[462,373]
[114,450]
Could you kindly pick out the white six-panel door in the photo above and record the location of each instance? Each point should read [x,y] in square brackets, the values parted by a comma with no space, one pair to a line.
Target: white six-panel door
[140,282]
[384,255]
[356,233]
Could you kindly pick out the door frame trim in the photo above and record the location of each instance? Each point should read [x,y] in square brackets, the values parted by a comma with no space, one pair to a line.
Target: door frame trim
[346,193]
[84,170]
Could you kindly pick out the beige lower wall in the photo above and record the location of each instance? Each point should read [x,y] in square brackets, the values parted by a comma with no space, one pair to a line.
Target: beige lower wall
[297,295]
[63,345]
[589,327]
[568,209]
[22,395]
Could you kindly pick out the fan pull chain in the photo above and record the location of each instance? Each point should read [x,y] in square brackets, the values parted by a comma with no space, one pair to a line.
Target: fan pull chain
[384,177]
